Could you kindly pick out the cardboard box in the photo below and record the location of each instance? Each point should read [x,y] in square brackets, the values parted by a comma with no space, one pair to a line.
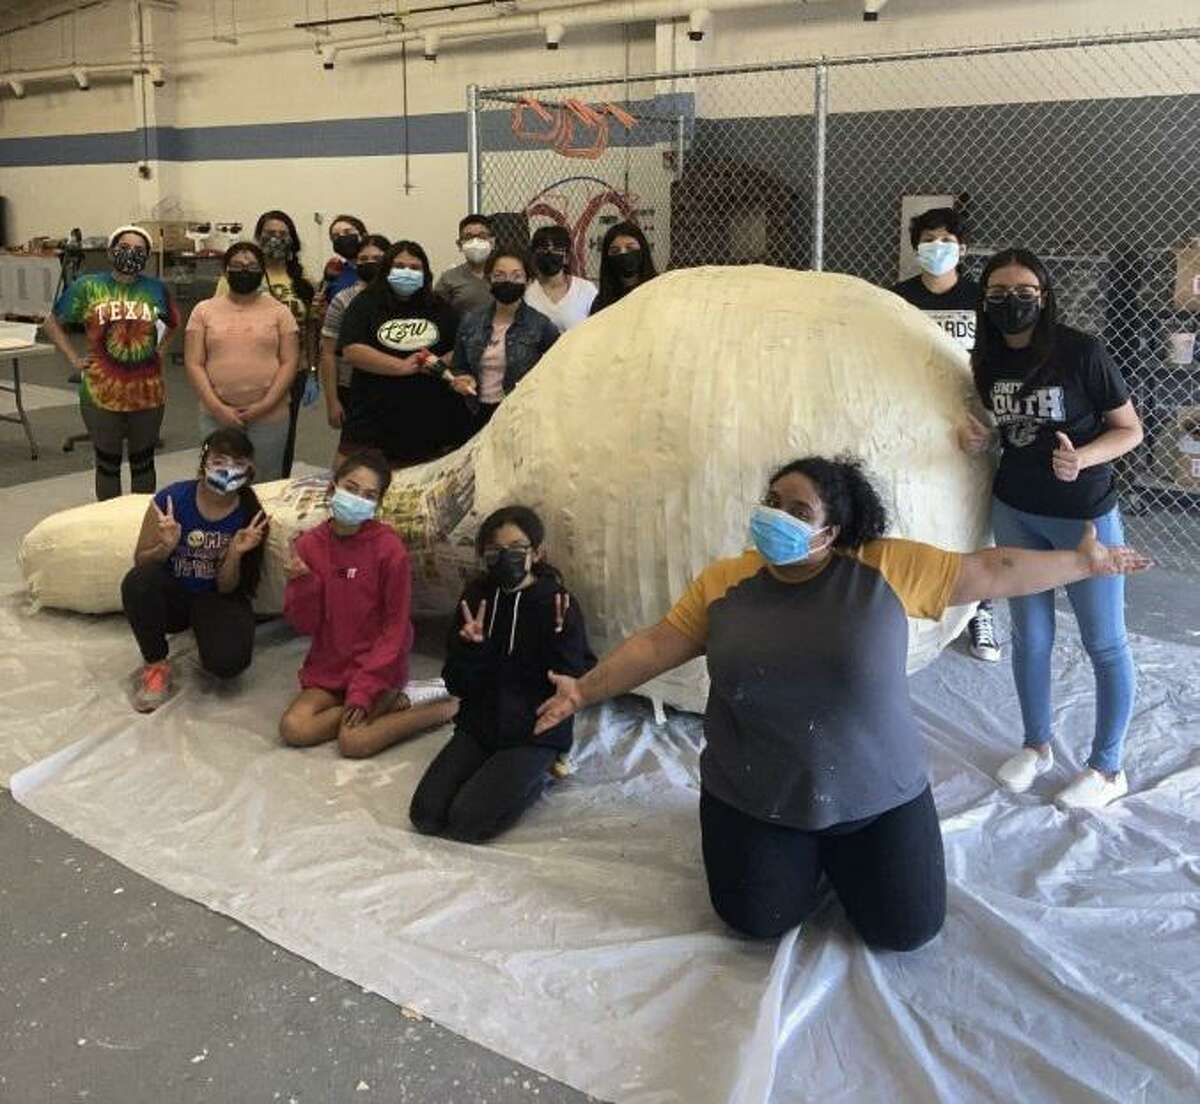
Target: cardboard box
[1187,276]
[1185,447]
[168,234]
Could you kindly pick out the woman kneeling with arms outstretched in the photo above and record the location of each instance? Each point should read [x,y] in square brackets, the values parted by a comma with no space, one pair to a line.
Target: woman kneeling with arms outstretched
[349,586]
[813,762]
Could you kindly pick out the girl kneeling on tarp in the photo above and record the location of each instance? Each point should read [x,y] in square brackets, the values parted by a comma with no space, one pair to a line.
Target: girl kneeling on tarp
[515,623]
[349,587]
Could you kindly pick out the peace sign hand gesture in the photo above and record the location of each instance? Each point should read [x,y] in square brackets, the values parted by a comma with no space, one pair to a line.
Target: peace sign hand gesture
[295,567]
[472,630]
[169,530]
[247,539]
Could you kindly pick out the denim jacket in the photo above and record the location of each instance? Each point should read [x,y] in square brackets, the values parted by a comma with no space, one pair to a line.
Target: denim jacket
[529,336]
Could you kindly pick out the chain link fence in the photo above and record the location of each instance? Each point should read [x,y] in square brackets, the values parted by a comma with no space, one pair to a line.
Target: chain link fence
[1086,152]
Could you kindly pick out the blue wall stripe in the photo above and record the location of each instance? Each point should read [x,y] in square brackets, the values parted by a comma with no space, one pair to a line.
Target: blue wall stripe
[71,149]
[372,136]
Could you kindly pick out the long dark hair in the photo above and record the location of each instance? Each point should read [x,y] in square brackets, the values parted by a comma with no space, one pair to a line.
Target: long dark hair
[234,443]
[528,522]
[851,502]
[612,287]
[989,341]
[295,270]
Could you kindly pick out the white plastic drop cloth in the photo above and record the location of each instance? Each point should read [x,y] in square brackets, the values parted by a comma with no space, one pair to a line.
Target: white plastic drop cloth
[583,944]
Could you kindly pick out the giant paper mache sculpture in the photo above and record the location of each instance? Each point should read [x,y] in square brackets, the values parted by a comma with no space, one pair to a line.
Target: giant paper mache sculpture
[643,438]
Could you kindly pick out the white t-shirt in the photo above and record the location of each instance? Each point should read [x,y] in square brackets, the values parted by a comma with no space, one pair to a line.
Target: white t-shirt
[570,310]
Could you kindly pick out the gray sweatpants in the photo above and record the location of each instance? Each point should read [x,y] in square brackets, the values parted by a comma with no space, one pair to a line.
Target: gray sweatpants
[110,430]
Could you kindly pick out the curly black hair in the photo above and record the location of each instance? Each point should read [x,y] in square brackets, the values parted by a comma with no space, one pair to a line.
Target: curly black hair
[851,502]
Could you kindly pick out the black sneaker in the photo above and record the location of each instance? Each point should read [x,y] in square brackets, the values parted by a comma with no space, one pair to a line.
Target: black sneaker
[983,635]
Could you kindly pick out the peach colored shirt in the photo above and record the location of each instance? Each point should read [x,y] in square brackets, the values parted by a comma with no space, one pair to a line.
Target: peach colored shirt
[243,347]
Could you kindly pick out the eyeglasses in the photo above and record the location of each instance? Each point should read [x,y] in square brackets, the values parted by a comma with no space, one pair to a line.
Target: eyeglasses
[512,278]
[557,249]
[493,553]
[1023,293]
[244,268]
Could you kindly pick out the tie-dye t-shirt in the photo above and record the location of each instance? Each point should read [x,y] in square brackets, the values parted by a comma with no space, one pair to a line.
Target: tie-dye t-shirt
[120,320]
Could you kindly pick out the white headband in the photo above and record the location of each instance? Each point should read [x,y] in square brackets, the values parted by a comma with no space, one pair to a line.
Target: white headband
[112,238]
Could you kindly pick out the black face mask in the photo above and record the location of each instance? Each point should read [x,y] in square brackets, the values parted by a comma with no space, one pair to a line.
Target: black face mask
[549,264]
[628,264]
[346,246]
[243,281]
[367,270]
[506,568]
[505,291]
[129,260]
[1012,316]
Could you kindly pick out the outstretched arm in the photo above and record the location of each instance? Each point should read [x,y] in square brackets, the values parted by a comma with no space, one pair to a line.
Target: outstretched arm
[633,662]
[1012,572]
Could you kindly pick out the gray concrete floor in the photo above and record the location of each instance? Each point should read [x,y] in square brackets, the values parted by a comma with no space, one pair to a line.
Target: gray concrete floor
[118,992]
[114,991]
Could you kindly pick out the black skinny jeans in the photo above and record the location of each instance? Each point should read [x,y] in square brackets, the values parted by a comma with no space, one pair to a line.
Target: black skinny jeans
[889,872]
[472,793]
[156,604]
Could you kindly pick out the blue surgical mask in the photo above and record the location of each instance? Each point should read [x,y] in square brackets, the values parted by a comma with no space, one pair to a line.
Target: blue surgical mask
[781,538]
[937,257]
[406,281]
[350,509]
[226,480]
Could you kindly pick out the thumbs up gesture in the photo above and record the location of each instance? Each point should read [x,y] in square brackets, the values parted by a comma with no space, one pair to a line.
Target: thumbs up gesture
[1065,460]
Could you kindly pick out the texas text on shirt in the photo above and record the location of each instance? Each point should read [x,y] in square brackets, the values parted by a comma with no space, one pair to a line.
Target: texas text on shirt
[121,324]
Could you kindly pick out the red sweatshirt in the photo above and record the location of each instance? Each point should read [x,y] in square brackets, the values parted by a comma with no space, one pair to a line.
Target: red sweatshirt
[354,602]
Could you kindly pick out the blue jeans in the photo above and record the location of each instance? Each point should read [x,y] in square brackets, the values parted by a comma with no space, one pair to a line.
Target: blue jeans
[1099,606]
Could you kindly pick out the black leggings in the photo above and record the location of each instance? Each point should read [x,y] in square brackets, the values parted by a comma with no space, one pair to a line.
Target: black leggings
[156,603]
[472,793]
[112,431]
[889,872]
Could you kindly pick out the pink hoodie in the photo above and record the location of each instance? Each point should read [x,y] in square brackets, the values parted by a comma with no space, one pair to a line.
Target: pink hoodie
[354,602]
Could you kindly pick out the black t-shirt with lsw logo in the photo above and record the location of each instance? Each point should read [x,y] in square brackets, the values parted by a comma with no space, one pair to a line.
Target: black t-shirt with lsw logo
[1084,385]
[412,417]
[953,310]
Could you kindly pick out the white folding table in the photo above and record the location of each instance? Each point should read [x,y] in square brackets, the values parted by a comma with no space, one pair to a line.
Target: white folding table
[16,355]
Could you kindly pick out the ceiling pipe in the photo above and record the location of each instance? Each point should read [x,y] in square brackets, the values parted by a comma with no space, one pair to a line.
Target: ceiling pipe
[82,75]
[576,15]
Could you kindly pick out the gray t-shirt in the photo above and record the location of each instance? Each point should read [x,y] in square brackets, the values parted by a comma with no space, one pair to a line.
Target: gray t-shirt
[809,722]
[463,290]
[332,327]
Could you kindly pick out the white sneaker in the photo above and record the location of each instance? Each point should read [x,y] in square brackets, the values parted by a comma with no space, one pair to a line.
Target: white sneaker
[1017,774]
[1093,790]
[423,691]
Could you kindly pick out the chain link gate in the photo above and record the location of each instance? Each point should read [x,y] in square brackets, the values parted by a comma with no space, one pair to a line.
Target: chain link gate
[1086,151]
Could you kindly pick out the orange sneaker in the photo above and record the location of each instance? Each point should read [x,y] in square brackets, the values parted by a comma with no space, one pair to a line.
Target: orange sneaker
[154,686]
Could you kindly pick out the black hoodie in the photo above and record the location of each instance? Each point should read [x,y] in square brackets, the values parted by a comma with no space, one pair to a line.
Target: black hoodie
[502,681]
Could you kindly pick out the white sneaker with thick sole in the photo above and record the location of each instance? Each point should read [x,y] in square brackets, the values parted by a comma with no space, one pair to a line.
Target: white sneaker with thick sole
[1093,790]
[1017,774]
[424,691]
